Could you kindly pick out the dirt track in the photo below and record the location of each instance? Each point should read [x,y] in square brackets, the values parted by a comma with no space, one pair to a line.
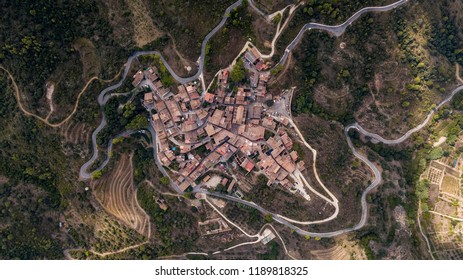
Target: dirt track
[45,120]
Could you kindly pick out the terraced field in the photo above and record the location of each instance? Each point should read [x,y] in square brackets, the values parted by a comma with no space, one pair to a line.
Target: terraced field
[116,193]
[76,133]
[344,251]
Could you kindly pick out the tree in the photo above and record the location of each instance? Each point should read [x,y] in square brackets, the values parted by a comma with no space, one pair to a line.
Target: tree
[276,19]
[436,153]
[164,180]
[97,175]
[138,122]
[422,190]
[268,218]
[238,72]
[405,104]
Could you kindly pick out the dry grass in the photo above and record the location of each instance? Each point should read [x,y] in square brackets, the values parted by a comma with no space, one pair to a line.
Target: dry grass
[144,30]
[342,250]
[88,57]
[116,192]
[450,185]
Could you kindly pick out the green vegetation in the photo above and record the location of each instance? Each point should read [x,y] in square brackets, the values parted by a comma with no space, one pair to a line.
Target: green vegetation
[37,45]
[188,21]
[309,73]
[143,164]
[133,116]
[436,153]
[238,72]
[25,232]
[445,35]
[276,19]
[268,218]
[139,122]
[97,175]
[164,180]
[273,251]
[175,228]
[422,190]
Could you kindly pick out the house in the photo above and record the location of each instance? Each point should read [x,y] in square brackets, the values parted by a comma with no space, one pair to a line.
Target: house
[209,130]
[255,112]
[254,133]
[254,78]
[182,94]
[238,117]
[255,53]
[216,117]
[137,78]
[195,104]
[250,57]
[293,155]
[223,78]
[206,179]
[248,165]
[240,96]
[268,123]
[174,110]
[230,187]
[209,97]
[192,92]
[148,98]
[152,76]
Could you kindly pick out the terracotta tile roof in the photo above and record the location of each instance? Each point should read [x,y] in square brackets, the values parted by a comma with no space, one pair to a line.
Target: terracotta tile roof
[209,97]
[137,78]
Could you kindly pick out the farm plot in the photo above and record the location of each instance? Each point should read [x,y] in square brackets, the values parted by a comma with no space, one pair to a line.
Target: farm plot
[116,193]
[450,185]
[76,133]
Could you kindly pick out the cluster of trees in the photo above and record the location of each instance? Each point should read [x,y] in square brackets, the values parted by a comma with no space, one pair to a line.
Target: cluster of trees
[426,77]
[273,251]
[25,232]
[37,39]
[236,31]
[445,36]
[22,158]
[143,163]
[131,116]
[238,73]
[188,21]
[241,19]
[309,72]
[243,214]
[175,229]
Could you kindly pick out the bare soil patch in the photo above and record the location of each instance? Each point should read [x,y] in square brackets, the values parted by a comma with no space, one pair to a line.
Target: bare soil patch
[144,30]
[116,192]
[343,250]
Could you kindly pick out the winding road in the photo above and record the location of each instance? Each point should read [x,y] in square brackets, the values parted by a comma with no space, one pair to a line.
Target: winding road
[337,30]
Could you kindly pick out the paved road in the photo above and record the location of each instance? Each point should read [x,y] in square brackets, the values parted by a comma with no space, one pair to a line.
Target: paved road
[84,175]
[336,30]
[411,131]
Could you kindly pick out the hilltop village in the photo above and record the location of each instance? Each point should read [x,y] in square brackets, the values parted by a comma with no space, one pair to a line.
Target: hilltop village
[201,135]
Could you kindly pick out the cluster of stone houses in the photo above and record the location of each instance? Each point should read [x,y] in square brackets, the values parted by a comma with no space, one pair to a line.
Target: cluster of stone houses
[198,130]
